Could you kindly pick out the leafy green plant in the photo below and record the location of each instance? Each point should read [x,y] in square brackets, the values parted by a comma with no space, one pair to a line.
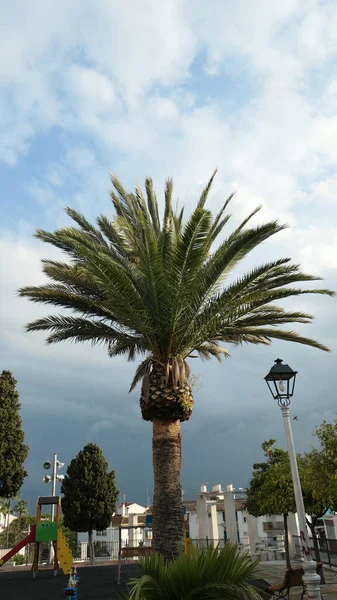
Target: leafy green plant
[207,574]
[18,559]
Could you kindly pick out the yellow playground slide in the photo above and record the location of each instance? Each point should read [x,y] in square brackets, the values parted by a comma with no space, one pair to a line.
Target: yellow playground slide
[64,555]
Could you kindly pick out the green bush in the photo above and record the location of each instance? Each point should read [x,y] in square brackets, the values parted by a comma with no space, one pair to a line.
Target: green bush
[207,574]
[18,559]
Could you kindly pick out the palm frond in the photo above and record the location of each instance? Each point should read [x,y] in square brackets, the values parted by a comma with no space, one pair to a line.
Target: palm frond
[152,204]
[206,190]
[86,226]
[208,350]
[131,345]
[64,296]
[220,221]
[141,370]
[75,329]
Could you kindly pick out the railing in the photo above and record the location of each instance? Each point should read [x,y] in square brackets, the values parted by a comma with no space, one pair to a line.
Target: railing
[327,548]
[208,543]
[103,550]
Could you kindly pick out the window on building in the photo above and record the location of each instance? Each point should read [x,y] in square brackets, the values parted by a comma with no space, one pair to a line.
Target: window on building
[101,533]
[245,519]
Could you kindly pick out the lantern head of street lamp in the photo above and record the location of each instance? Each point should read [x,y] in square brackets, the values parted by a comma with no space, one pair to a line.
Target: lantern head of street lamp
[281,382]
[46,479]
[60,478]
[47,465]
[60,464]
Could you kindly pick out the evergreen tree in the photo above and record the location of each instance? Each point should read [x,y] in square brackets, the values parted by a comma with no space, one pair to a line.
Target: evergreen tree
[90,493]
[13,451]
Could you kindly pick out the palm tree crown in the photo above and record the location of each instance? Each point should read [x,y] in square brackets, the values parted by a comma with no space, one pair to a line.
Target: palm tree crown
[151,286]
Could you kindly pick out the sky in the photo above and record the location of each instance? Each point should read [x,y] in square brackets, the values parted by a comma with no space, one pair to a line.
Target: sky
[166,88]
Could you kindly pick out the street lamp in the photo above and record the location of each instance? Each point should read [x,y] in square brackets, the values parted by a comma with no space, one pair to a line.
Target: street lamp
[281,383]
[54,477]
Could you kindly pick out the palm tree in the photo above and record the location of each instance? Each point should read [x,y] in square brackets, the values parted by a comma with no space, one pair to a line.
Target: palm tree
[151,286]
[21,507]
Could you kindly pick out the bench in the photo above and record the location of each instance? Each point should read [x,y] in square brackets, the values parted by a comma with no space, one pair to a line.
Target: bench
[131,552]
[292,578]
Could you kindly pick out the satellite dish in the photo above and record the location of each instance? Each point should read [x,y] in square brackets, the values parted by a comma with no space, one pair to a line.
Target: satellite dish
[47,465]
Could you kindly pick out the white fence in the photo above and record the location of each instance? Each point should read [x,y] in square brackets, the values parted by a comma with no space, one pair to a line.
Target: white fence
[103,550]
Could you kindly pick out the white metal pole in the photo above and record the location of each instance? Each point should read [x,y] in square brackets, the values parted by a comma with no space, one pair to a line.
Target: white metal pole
[53,480]
[310,578]
[52,508]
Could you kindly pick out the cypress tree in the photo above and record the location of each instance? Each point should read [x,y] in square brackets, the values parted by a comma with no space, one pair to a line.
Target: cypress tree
[90,493]
[13,450]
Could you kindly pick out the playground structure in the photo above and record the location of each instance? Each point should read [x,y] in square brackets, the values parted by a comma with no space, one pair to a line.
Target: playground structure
[46,531]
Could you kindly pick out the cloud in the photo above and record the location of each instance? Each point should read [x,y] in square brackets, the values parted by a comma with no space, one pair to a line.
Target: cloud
[161,89]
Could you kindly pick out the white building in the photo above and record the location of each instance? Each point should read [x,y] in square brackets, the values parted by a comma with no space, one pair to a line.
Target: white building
[220,515]
[4,520]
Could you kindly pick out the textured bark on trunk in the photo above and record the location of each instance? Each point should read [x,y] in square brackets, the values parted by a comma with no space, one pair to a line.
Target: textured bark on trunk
[286,540]
[91,547]
[168,517]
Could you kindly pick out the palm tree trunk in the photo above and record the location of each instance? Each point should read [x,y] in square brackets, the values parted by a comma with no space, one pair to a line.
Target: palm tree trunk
[168,517]
[286,540]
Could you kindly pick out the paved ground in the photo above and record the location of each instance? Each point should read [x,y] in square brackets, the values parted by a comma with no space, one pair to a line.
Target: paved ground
[99,582]
[273,571]
[96,583]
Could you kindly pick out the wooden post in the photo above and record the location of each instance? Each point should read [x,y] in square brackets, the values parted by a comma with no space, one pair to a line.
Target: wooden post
[56,562]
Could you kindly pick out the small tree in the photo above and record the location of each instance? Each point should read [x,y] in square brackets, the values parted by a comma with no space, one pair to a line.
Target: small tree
[271,491]
[13,451]
[90,493]
[70,536]
[318,477]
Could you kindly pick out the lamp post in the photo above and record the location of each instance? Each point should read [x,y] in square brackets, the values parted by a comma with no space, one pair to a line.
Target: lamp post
[56,464]
[281,383]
